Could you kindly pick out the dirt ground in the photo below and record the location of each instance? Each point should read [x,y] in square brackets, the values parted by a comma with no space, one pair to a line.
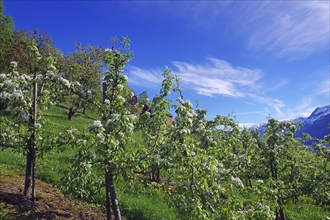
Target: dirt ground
[50,204]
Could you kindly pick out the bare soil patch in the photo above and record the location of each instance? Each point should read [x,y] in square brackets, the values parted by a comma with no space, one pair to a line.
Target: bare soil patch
[50,204]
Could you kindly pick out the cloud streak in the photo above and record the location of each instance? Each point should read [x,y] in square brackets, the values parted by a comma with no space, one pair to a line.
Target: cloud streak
[285,28]
[215,77]
[290,27]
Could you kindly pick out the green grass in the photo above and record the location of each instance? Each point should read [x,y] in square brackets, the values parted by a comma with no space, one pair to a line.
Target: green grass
[11,163]
[56,119]
[139,202]
[305,209]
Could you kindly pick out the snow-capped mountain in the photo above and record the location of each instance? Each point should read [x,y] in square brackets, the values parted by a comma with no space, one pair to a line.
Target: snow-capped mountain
[317,124]
[318,114]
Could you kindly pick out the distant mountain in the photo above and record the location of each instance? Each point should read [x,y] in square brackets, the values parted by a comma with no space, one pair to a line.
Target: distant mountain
[316,125]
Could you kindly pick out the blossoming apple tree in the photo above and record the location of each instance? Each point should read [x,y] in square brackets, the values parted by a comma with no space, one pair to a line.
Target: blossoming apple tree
[24,94]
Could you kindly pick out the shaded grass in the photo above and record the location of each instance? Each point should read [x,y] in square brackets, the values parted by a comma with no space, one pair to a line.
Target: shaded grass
[305,209]
[139,202]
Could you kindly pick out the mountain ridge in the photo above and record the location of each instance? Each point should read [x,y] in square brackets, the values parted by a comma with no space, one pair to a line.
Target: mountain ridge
[316,125]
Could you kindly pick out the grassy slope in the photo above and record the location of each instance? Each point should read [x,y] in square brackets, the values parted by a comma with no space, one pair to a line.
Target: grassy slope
[136,201]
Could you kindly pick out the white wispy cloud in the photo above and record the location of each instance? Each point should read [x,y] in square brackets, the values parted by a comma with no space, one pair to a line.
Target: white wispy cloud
[290,27]
[324,87]
[215,77]
[285,28]
[277,85]
[144,77]
[276,104]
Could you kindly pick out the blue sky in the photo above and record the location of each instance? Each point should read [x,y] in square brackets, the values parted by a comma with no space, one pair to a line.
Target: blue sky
[247,58]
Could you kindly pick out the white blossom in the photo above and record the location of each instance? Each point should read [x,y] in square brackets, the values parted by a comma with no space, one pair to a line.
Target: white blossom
[181,108]
[9,83]
[238,182]
[52,67]
[76,83]
[17,94]
[65,82]
[188,103]
[130,125]
[260,181]
[100,136]
[121,99]
[2,76]
[13,64]
[107,101]
[120,87]
[50,74]
[190,115]
[97,124]
[241,158]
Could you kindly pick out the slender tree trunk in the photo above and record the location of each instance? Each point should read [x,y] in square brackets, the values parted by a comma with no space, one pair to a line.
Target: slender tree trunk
[157,173]
[282,215]
[111,197]
[114,201]
[72,111]
[33,149]
[31,154]
[107,195]
[33,174]
[27,184]
[249,181]
[104,91]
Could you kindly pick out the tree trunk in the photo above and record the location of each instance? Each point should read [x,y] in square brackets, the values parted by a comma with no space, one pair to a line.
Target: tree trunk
[107,196]
[157,173]
[111,196]
[31,154]
[33,172]
[104,91]
[33,149]
[280,211]
[249,181]
[28,170]
[72,111]
[282,215]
